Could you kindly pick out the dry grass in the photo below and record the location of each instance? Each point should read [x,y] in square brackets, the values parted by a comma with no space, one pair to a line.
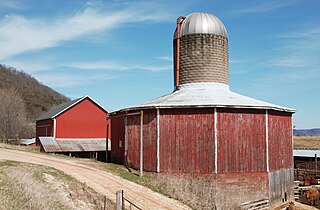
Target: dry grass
[28,186]
[306,142]
[195,191]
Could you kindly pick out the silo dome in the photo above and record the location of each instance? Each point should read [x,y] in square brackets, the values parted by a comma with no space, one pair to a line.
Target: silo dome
[200,50]
[202,23]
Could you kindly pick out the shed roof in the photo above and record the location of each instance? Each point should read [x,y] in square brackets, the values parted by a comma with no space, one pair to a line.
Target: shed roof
[51,144]
[206,95]
[306,152]
[63,107]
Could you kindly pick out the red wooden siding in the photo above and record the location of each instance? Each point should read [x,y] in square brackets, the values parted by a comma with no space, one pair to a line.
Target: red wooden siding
[280,140]
[241,140]
[133,140]
[84,120]
[149,140]
[43,128]
[187,140]
[117,136]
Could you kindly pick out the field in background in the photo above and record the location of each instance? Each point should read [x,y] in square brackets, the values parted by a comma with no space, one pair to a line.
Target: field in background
[307,142]
[30,186]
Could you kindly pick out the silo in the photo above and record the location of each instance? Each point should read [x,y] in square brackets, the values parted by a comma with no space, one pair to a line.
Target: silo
[204,128]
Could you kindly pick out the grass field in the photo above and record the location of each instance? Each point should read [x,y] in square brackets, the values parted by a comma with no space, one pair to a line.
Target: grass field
[306,142]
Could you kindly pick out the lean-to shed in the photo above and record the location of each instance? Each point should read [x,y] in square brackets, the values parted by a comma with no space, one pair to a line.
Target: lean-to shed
[204,128]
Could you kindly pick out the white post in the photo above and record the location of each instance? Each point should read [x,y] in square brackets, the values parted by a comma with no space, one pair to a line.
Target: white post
[141,143]
[267,140]
[158,140]
[215,140]
[54,127]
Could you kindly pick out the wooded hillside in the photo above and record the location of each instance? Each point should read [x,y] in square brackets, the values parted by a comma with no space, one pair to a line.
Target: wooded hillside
[38,97]
[23,99]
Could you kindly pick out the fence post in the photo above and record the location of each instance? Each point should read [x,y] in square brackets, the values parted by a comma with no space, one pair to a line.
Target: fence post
[119,200]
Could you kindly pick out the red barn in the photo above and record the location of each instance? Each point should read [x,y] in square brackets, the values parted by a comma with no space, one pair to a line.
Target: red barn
[204,128]
[81,122]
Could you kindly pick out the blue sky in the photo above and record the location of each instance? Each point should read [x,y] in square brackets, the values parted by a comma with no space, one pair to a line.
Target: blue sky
[120,52]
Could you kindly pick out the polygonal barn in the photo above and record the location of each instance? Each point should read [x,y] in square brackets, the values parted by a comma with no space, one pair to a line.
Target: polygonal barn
[204,128]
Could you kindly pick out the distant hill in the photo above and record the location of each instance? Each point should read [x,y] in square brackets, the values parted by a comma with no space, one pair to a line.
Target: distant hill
[38,97]
[307,132]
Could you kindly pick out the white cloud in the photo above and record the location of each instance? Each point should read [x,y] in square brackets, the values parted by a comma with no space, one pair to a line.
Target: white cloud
[298,49]
[118,66]
[265,7]
[165,58]
[12,4]
[21,34]
[69,80]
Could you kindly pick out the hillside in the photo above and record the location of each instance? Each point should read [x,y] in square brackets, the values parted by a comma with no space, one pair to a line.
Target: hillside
[38,98]
[307,132]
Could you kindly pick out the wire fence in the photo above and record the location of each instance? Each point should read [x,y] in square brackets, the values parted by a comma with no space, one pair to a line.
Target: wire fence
[123,201]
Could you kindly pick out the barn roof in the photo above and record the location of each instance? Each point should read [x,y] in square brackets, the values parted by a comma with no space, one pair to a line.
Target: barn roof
[63,107]
[196,95]
[51,144]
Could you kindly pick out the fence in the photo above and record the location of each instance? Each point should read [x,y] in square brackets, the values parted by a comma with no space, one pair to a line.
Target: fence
[257,204]
[122,202]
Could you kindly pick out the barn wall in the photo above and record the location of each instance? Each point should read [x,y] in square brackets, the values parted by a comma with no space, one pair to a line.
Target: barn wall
[187,141]
[84,120]
[235,189]
[281,186]
[117,136]
[241,141]
[280,140]
[149,140]
[43,128]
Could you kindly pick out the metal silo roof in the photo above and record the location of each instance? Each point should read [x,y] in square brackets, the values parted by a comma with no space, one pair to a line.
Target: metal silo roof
[202,23]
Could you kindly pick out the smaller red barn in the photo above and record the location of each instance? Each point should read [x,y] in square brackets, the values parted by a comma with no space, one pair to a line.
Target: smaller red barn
[78,126]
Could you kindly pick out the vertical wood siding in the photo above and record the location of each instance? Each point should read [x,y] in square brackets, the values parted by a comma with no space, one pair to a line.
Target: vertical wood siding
[133,140]
[117,136]
[187,140]
[280,140]
[149,140]
[43,128]
[241,141]
[84,120]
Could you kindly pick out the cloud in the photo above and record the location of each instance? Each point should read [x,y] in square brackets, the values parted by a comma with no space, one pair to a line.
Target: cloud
[298,49]
[118,66]
[21,34]
[69,80]
[265,7]
[12,4]
[165,58]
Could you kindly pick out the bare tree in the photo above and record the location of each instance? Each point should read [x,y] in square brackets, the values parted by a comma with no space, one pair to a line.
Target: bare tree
[13,117]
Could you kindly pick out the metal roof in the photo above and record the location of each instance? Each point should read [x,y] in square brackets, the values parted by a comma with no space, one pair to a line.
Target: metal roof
[202,23]
[28,141]
[206,95]
[63,107]
[51,144]
[306,153]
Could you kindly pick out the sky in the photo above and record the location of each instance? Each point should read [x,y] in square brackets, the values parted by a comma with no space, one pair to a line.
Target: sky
[119,52]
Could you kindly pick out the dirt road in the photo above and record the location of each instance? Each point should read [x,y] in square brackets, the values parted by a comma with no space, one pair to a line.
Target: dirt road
[101,181]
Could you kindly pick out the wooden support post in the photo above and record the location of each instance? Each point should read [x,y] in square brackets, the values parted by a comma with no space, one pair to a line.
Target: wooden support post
[107,141]
[141,143]
[119,200]
[315,165]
